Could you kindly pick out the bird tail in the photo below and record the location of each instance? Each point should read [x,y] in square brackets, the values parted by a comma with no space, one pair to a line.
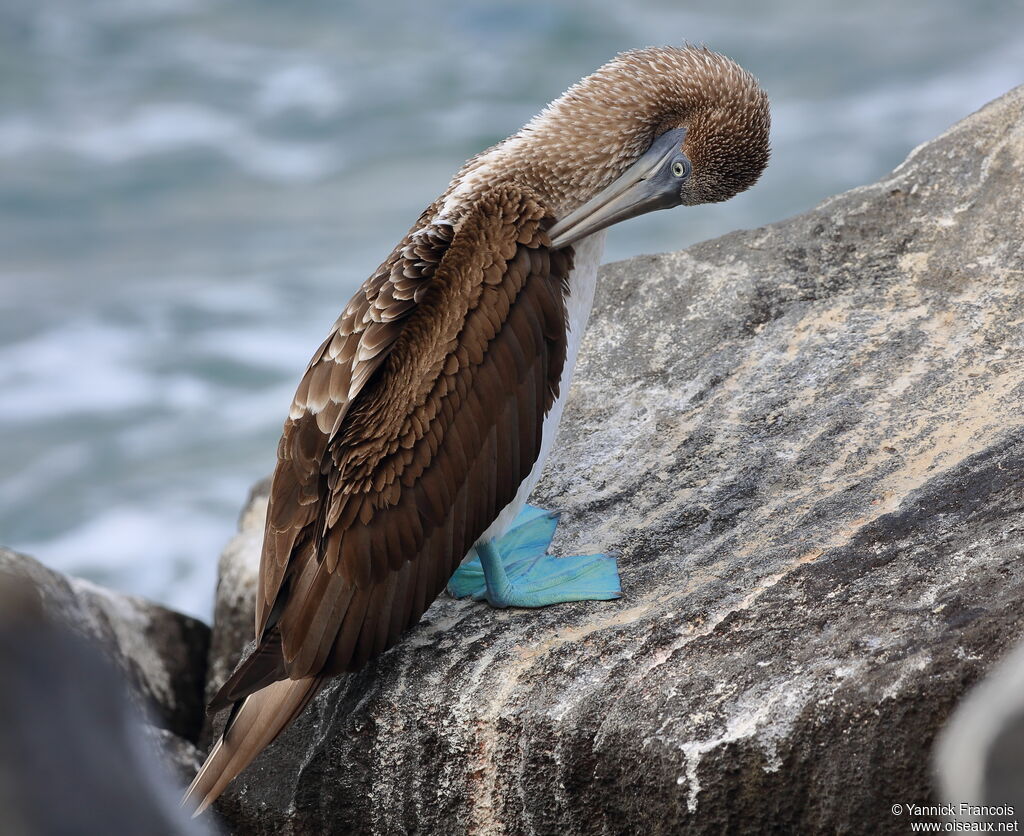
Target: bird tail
[252,727]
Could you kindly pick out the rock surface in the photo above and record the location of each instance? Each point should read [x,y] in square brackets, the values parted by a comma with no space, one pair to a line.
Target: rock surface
[180,757]
[234,607]
[980,753]
[161,652]
[73,756]
[807,443]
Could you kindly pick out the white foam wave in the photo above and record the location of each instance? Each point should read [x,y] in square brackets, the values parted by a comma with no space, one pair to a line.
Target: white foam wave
[156,129]
[84,367]
[163,552]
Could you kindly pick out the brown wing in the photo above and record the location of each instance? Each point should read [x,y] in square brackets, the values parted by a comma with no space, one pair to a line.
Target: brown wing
[374,504]
[340,368]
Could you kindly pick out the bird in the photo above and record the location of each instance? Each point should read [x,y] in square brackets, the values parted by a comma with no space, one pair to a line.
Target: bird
[424,419]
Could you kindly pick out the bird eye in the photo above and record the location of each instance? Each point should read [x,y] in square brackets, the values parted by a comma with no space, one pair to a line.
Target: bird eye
[679,168]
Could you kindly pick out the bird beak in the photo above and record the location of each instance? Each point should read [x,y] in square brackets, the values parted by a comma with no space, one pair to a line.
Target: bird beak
[646,185]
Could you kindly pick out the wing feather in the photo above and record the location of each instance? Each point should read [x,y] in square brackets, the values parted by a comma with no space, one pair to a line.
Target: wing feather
[415,424]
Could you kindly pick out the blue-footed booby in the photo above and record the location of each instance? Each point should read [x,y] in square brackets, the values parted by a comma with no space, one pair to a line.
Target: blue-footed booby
[424,419]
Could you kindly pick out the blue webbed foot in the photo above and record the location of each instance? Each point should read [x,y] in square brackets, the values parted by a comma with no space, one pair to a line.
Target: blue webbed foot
[516,571]
[529,536]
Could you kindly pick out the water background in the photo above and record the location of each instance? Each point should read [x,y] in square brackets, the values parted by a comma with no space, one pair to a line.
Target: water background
[190,191]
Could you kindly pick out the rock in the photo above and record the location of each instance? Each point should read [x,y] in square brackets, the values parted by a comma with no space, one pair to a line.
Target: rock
[234,607]
[162,653]
[181,757]
[807,443]
[71,760]
[980,753]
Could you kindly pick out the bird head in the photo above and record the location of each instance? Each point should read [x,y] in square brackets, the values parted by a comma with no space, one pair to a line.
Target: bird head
[663,127]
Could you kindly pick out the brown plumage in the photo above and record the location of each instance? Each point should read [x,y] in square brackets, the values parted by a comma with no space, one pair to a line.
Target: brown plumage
[423,413]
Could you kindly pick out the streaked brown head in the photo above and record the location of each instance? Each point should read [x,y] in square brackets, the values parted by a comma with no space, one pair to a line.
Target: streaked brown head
[727,138]
[651,129]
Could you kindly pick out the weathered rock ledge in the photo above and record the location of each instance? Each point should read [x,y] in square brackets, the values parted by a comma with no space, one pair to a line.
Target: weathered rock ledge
[73,748]
[807,443]
[161,653]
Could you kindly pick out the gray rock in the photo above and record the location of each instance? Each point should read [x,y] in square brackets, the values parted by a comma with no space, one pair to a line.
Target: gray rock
[807,443]
[181,757]
[234,606]
[980,753]
[162,653]
[73,758]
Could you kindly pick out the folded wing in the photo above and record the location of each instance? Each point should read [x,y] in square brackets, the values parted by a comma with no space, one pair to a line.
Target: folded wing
[413,427]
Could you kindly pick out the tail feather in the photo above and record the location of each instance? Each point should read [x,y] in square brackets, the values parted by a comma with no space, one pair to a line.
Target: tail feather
[255,725]
[263,667]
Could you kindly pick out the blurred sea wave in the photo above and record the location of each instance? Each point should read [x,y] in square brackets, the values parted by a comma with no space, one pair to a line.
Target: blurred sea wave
[191,191]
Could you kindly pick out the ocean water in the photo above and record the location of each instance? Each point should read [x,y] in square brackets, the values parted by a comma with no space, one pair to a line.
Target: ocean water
[191,190]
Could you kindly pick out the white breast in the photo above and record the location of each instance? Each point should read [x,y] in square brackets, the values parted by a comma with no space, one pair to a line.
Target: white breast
[582,283]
